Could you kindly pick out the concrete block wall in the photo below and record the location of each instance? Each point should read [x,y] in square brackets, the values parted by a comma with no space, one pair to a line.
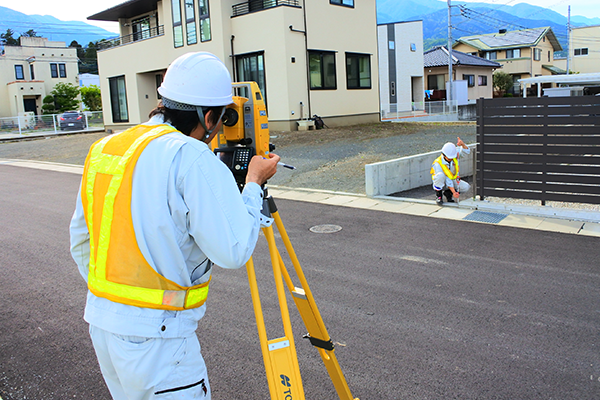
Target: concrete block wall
[387,177]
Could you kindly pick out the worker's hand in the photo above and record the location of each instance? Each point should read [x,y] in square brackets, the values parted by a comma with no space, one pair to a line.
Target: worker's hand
[460,142]
[455,195]
[261,169]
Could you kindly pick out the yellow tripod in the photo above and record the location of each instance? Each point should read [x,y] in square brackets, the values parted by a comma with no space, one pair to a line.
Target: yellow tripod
[279,355]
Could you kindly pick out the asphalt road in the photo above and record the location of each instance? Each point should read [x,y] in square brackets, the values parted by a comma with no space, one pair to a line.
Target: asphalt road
[419,308]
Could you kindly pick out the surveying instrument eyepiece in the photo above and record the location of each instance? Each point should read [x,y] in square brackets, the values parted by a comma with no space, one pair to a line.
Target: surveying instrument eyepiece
[245,134]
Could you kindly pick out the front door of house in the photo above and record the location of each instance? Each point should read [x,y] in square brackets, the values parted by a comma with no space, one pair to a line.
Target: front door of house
[30,105]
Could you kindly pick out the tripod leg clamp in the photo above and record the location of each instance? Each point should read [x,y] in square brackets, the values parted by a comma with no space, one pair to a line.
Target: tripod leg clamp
[322,344]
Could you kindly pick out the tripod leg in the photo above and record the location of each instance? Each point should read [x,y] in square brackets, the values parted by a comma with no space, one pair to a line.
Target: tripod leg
[317,332]
[279,355]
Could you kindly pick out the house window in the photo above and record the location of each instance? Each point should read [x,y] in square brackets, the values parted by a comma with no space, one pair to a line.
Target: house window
[204,17]
[358,71]
[513,53]
[349,3]
[141,28]
[491,55]
[177,28]
[470,80]
[54,70]
[31,72]
[482,80]
[322,69]
[62,70]
[581,52]
[537,54]
[251,67]
[190,22]
[435,82]
[118,99]
[548,55]
[413,47]
[19,72]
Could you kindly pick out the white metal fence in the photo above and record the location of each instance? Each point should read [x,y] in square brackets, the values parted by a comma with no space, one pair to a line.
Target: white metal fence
[30,124]
[418,109]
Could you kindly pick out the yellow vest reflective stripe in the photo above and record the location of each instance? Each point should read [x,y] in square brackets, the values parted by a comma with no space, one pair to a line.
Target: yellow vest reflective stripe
[446,170]
[118,270]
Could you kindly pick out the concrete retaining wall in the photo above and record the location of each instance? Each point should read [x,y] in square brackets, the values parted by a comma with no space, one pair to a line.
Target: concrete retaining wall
[387,177]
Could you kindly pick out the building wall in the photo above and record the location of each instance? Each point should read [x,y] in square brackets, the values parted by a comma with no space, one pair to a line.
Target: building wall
[400,66]
[329,27]
[585,38]
[525,65]
[473,92]
[41,53]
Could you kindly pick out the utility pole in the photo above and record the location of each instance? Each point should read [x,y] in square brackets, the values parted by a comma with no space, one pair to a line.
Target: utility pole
[568,40]
[450,96]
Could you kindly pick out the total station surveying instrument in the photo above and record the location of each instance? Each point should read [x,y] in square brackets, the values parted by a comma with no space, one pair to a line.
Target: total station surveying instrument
[245,134]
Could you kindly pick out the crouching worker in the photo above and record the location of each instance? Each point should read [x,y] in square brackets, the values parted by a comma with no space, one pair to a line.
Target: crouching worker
[156,210]
[445,172]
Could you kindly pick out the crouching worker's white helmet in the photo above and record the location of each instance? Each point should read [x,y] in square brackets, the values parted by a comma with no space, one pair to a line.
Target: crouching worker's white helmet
[449,150]
[196,80]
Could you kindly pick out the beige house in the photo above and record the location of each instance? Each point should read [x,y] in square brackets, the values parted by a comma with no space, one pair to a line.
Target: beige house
[29,72]
[523,54]
[475,71]
[400,67]
[584,49]
[308,57]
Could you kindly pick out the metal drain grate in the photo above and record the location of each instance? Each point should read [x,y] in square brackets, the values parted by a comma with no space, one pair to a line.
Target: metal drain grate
[484,216]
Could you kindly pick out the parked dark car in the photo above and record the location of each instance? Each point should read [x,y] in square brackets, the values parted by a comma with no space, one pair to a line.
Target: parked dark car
[72,120]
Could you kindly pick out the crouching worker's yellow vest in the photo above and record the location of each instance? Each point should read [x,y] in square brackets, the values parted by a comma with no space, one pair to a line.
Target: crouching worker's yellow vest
[118,270]
[446,170]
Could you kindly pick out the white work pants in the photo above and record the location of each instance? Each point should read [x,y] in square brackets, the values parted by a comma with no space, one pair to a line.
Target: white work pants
[138,368]
[439,181]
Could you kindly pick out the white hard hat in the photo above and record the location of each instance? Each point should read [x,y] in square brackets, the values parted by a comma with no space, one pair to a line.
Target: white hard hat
[449,150]
[197,79]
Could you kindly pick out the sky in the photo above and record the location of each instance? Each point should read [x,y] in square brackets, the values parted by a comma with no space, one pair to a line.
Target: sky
[69,10]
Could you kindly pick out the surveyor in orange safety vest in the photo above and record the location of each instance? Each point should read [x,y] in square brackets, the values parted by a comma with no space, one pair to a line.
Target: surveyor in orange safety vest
[445,172]
[156,210]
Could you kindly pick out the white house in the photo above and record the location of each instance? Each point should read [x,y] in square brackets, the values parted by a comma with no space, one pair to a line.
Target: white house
[400,54]
[29,72]
[307,56]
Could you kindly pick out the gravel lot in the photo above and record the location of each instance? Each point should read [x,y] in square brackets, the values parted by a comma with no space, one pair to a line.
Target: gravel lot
[328,159]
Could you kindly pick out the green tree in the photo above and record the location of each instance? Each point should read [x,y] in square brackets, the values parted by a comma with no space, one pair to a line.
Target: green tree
[502,81]
[48,106]
[8,38]
[30,33]
[65,96]
[90,95]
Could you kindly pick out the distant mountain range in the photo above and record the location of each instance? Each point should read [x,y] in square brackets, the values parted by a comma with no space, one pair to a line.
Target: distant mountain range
[51,27]
[477,18]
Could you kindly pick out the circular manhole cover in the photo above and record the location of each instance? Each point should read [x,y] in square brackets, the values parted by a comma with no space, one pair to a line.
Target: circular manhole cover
[325,228]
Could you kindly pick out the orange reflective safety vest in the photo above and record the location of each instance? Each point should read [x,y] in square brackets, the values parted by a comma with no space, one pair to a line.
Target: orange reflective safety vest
[118,270]
[446,170]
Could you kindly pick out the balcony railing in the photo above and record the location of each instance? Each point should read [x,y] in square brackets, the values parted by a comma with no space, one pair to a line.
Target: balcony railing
[251,6]
[134,37]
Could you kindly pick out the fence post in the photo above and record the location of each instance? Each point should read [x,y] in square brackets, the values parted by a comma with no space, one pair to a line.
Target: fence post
[545,112]
[19,124]
[480,151]
[54,116]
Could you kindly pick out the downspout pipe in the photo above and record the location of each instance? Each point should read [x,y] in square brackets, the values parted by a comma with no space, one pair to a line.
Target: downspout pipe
[233,59]
[307,57]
